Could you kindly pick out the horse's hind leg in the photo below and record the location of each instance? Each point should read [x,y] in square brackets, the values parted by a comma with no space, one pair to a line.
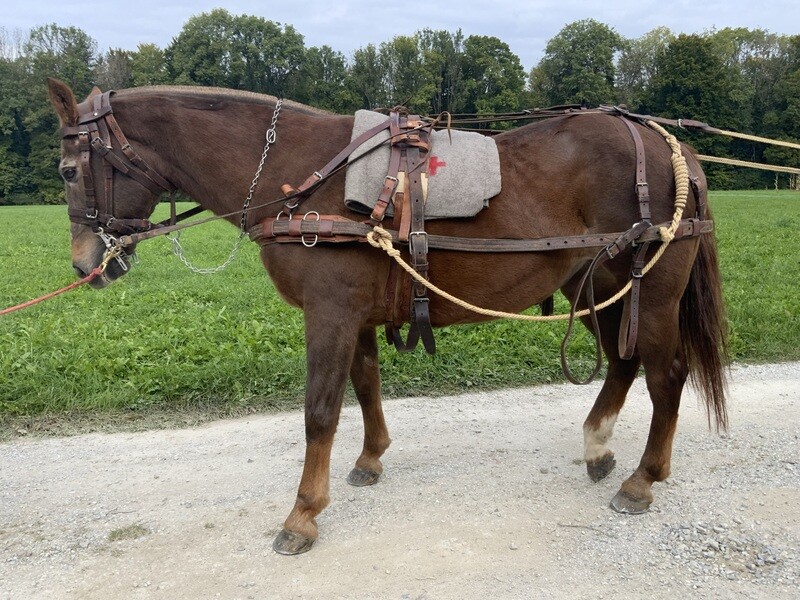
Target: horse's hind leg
[666,371]
[366,378]
[599,424]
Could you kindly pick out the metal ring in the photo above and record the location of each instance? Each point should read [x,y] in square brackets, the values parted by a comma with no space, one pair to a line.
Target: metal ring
[278,218]
[307,244]
[312,212]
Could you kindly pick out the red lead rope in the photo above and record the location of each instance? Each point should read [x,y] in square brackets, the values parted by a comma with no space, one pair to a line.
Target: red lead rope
[95,273]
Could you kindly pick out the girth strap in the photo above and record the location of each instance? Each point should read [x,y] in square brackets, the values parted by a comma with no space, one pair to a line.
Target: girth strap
[410,147]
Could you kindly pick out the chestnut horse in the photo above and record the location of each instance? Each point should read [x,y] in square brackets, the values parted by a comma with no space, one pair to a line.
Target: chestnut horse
[562,176]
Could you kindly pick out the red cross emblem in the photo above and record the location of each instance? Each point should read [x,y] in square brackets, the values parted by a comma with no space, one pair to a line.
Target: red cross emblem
[433,165]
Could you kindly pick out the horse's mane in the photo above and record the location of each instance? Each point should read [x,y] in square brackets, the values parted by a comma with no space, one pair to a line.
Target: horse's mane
[215,92]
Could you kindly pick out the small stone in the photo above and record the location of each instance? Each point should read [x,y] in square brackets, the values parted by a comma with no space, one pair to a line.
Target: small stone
[544,470]
[513,546]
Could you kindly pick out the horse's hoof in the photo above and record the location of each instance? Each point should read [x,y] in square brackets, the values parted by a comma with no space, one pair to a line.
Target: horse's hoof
[600,468]
[289,543]
[362,477]
[628,505]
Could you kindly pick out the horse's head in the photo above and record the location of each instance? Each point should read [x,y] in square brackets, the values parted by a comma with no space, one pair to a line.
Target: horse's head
[111,191]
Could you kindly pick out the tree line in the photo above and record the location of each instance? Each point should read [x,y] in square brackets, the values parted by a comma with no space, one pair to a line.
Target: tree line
[737,79]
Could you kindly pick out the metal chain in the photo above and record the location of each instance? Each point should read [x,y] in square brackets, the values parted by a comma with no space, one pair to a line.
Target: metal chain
[178,250]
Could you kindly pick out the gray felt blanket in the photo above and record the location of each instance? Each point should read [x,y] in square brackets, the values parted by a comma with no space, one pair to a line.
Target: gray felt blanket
[462,175]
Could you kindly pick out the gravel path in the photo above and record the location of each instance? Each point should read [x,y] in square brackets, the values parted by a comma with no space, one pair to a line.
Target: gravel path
[484,496]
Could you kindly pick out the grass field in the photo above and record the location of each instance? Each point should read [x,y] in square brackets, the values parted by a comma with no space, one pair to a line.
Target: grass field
[164,339]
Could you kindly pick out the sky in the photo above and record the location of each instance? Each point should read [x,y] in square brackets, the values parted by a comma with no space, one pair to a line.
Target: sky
[346,25]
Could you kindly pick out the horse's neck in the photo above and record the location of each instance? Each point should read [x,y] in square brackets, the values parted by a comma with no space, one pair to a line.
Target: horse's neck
[213,155]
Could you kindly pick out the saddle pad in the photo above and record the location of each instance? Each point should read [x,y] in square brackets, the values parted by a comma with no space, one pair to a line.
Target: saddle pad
[462,175]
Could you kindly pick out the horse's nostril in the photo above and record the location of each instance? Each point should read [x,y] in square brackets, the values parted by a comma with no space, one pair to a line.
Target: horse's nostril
[79,272]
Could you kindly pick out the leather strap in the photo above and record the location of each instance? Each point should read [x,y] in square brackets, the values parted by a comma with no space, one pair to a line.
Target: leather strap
[95,127]
[275,230]
[642,188]
[418,248]
[629,328]
[410,144]
[299,194]
[391,180]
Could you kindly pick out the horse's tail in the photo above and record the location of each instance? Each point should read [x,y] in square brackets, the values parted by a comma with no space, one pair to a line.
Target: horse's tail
[703,327]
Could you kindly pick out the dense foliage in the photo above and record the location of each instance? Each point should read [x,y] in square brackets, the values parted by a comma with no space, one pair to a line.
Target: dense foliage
[747,80]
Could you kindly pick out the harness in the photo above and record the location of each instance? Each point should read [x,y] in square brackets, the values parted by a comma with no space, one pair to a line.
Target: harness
[404,188]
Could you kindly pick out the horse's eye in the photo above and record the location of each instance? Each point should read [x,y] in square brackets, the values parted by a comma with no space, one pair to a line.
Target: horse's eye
[69,173]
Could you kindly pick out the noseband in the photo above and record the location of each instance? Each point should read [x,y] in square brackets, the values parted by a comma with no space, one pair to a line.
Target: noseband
[98,130]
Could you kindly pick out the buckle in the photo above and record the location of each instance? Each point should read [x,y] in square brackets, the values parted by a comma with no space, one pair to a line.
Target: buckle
[412,242]
[637,231]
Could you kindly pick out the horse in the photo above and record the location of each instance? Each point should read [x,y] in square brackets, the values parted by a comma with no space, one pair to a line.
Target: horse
[568,175]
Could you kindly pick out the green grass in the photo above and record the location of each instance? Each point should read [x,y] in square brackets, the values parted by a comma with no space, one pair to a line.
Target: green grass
[162,339]
[759,240]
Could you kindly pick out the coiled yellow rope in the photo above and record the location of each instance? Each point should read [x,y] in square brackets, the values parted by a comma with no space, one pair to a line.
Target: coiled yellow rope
[382,239]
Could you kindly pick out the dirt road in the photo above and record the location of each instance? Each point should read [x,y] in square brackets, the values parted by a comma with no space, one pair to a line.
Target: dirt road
[484,496]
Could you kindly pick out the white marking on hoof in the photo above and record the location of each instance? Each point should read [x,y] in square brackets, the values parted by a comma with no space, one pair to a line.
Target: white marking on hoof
[595,440]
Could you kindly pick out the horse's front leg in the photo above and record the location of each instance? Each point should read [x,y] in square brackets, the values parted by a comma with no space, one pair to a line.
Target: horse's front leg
[366,378]
[330,343]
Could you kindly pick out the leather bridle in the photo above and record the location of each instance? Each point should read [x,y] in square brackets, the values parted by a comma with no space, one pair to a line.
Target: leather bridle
[97,131]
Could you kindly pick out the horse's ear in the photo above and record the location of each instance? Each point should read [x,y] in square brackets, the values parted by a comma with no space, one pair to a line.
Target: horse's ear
[96,91]
[63,100]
